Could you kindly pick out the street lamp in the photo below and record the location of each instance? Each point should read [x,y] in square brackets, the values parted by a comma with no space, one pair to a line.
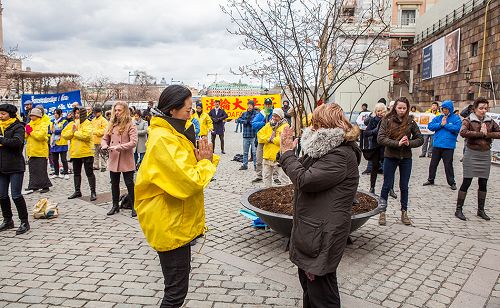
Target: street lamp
[488,85]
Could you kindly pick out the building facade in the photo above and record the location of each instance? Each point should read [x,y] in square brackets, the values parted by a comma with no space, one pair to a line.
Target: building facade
[478,51]
[233,89]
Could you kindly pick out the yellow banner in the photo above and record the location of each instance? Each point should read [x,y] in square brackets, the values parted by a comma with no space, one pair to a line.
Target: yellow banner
[236,105]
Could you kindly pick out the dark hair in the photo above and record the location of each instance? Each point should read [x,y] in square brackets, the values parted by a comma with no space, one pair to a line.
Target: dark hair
[365,105]
[396,130]
[413,107]
[435,103]
[173,97]
[97,109]
[480,100]
[58,111]
[383,101]
[138,112]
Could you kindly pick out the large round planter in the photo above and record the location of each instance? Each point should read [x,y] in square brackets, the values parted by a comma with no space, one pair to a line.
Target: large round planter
[283,223]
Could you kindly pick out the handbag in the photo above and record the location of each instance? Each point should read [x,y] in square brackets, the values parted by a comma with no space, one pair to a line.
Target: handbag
[45,209]
[368,149]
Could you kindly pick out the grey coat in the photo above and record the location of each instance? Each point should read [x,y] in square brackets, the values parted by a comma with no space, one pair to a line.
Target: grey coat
[142,133]
[326,180]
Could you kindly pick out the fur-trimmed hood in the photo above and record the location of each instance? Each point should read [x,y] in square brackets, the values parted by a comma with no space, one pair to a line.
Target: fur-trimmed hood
[317,143]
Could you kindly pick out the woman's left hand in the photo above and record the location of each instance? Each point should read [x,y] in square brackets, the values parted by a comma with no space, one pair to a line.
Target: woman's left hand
[287,142]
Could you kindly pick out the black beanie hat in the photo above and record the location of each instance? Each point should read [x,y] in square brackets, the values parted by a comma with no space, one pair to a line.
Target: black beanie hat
[173,97]
[10,109]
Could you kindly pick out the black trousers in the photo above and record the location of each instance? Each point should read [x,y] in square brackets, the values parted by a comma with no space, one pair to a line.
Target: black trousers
[221,137]
[128,178]
[55,161]
[447,156]
[87,163]
[175,265]
[379,154]
[322,292]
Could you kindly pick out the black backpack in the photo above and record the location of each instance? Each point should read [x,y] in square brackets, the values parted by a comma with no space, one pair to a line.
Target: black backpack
[238,158]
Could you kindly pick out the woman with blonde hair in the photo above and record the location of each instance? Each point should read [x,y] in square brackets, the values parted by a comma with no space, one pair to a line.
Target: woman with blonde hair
[325,180]
[120,139]
[377,150]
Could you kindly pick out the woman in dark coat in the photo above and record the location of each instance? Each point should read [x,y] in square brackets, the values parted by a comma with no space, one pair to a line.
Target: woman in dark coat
[12,168]
[325,180]
[371,133]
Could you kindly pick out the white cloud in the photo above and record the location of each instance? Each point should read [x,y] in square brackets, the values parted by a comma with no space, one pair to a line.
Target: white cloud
[183,40]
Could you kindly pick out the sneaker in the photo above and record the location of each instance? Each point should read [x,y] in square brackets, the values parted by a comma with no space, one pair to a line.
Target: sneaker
[404,218]
[381,219]
[27,191]
[453,186]
[44,190]
[243,168]
[53,176]
[66,176]
[428,183]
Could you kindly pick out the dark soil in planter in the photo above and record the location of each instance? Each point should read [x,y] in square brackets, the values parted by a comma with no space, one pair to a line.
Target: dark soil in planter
[280,200]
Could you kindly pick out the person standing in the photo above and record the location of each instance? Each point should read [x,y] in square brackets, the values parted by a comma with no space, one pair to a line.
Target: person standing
[364,107]
[446,128]
[218,116]
[270,136]
[28,105]
[12,168]
[478,130]
[286,108]
[120,140]
[398,133]
[196,124]
[325,181]
[204,119]
[99,125]
[37,150]
[59,145]
[169,190]
[428,138]
[371,134]
[81,151]
[260,120]
[142,137]
[248,135]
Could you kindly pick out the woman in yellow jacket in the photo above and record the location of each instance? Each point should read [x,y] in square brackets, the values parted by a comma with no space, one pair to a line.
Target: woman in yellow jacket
[169,189]
[270,135]
[206,123]
[37,150]
[81,151]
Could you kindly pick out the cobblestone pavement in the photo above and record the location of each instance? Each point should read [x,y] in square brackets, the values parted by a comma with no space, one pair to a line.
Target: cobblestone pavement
[87,259]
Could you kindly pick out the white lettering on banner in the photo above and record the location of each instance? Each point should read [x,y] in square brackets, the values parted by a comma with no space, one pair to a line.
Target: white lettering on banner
[64,97]
[43,100]
[360,120]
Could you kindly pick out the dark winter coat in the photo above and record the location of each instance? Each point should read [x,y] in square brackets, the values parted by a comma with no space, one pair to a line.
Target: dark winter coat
[392,148]
[325,179]
[11,151]
[218,119]
[372,131]
[471,130]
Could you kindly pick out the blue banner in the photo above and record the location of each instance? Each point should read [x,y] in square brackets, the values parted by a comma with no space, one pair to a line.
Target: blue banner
[427,63]
[50,102]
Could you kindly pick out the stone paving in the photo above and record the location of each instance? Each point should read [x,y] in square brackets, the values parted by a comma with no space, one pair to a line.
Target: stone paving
[87,259]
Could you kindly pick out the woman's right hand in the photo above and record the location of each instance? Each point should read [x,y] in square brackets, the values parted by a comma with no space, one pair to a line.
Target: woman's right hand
[204,150]
[404,141]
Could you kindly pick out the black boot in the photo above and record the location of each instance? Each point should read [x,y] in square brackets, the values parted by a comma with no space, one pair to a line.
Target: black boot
[134,214]
[77,180]
[8,223]
[23,228]
[22,209]
[393,194]
[115,209]
[481,200]
[460,203]
[93,195]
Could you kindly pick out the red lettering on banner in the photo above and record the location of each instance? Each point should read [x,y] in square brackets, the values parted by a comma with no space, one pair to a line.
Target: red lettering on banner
[237,104]
[225,104]
[210,104]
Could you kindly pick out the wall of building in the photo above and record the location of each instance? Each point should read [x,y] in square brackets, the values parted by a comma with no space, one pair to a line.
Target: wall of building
[455,86]
[437,11]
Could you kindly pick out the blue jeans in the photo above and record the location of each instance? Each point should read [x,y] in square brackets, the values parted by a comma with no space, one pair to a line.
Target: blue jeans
[138,158]
[249,143]
[390,166]
[16,185]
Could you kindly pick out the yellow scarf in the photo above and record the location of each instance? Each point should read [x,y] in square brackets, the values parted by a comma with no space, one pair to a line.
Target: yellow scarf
[5,124]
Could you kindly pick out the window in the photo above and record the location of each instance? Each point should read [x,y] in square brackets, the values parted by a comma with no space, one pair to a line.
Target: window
[470,96]
[408,17]
[418,68]
[348,12]
[474,47]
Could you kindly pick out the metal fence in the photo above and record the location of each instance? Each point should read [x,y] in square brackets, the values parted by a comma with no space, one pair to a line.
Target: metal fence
[451,18]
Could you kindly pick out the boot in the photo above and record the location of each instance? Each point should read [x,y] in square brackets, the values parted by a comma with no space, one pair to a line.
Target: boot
[393,194]
[23,228]
[93,195]
[382,203]
[404,218]
[381,219]
[8,223]
[22,209]
[481,200]
[133,214]
[77,180]
[115,209]
[460,204]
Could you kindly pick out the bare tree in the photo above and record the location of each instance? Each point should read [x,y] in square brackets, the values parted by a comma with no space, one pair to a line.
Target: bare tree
[311,47]
[96,91]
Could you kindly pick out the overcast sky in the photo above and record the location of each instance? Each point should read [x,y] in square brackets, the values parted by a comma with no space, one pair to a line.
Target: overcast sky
[184,40]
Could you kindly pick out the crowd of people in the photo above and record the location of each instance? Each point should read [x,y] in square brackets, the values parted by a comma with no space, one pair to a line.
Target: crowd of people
[318,153]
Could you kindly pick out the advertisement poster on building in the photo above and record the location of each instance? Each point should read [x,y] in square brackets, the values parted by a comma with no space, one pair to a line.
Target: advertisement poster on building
[442,56]
[236,105]
[51,102]
[423,120]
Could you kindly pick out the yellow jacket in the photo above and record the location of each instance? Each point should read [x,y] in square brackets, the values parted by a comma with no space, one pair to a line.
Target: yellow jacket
[81,143]
[205,123]
[99,127]
[434,112]
[37,142]
[271,148]
[169,188]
